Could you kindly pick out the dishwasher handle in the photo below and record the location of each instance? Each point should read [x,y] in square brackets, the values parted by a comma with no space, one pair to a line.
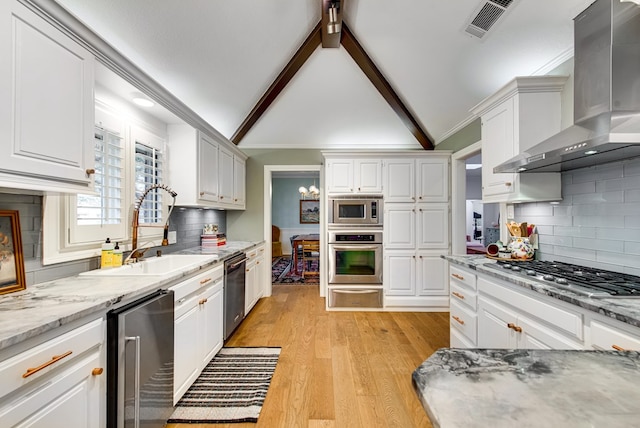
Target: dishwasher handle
[238,263]
[136,381]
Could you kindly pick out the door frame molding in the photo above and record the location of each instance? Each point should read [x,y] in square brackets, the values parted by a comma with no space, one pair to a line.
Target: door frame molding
[459,196]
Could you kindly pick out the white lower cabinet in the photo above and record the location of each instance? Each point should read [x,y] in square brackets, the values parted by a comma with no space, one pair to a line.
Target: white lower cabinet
[198,334]
[608,334]
[254,278]
[415,279]
[58,383]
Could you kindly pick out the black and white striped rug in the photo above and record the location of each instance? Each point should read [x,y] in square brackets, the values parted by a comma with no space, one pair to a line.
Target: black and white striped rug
[230,389]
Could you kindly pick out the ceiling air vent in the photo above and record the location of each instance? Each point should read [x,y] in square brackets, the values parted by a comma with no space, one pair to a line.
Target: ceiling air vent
[485,16]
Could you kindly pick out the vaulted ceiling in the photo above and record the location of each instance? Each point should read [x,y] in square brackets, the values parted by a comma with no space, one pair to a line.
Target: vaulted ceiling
[219,58]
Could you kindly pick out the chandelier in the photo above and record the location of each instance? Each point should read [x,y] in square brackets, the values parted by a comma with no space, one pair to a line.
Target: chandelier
[312,193]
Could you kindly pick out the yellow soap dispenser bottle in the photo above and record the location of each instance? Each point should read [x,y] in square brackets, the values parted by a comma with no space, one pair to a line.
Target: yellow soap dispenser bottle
[106,256]
[117,256]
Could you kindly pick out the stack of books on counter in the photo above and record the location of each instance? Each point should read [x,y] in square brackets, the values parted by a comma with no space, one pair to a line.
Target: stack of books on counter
[209,241]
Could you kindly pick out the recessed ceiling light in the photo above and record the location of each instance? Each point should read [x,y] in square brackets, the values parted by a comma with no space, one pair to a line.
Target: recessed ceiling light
[144,102]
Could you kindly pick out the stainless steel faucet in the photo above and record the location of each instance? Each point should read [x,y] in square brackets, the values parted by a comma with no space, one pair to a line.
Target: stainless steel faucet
[138,253]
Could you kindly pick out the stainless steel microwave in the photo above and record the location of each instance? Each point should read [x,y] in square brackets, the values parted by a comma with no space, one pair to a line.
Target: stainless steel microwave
[356,211]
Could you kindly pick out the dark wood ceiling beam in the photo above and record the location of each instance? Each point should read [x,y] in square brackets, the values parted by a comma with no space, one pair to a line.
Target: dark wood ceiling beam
[357,52]
[330,40]
[299,58]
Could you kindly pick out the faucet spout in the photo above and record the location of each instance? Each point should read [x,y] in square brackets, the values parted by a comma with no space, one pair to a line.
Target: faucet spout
[137,253]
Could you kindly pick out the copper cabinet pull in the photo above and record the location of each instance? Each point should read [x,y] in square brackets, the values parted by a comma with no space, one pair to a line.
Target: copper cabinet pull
[204,281]
[89,171]
[455,275]
[458,295]
[514,327]
[457,319]
[53,360]
[202,302]
[201,193]
[97,371]
[618,348]
[508,184]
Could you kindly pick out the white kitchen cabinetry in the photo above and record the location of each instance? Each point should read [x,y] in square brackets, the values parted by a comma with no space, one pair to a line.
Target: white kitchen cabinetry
[608,334]
[198,327]
[254,278]
[204,172]
[354,176]
[425,179]
[463,311]
[523,113]
[47,105]
[62,379]
[508,318]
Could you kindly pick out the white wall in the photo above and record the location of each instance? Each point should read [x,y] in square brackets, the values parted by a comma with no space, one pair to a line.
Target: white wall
[285,209]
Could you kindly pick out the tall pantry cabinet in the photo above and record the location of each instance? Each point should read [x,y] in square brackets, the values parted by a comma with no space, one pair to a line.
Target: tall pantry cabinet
[416,231]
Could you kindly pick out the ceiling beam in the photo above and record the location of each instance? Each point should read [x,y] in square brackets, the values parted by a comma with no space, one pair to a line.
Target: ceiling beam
[312,41]
[331,40]
[367,66]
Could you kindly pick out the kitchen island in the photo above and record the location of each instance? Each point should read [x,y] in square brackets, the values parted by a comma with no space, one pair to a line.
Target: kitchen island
[530,388]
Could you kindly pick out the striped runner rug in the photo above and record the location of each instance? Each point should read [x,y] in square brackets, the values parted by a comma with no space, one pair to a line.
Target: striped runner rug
[231,388]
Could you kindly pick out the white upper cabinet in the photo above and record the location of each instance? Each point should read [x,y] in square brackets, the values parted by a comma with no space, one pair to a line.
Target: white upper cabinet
[239,181]
[46,105]
[354,176]
[523,113]
[225,168]
[425,179]
[207,175]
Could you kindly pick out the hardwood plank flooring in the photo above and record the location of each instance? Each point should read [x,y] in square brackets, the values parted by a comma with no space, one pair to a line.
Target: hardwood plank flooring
[338,369]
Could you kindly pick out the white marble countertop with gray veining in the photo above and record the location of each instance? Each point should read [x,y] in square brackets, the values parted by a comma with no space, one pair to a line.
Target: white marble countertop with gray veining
[621,309]
[48,305]
[530,388]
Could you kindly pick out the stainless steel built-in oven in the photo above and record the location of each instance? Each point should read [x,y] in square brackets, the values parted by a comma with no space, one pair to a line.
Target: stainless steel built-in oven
[355,211]
[355,257]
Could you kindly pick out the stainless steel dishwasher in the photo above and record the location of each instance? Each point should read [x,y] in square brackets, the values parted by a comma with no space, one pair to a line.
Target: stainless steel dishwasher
[234,290]
[140,362]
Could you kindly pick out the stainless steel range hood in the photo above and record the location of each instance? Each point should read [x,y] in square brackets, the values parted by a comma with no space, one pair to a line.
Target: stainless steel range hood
[607,95]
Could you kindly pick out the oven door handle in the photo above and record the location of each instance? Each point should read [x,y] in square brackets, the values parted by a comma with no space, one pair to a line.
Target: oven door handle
[356,246]
[338,291]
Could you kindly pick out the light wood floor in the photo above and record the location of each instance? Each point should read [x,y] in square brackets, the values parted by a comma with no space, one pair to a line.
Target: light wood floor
[338,369]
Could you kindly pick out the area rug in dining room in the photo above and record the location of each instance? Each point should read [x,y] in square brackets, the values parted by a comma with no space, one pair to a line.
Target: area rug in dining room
[231,388]
[281,272]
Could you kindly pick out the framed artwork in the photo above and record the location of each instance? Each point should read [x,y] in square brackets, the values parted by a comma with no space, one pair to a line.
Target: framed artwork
[11,257]
[309,211]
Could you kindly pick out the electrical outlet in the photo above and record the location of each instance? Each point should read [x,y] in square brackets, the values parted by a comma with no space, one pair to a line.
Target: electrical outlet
[172,237]
[510,212]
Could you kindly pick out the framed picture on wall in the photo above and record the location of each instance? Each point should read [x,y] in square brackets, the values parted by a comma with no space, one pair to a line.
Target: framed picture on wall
[11,257]
[309,211]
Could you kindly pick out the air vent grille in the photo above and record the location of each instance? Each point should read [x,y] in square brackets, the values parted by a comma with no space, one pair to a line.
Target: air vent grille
[485,16]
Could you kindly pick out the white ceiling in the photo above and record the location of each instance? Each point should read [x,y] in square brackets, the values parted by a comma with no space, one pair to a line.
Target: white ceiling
[219,57]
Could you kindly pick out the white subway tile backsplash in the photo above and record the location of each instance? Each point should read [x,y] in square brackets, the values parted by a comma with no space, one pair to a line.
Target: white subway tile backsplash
[598,173]
[618,234]
[539,209]
[586,255]
[610,185]
[599,198]
[618,260]
[579,188]
[599,245]
[598,221]
[632,248]
[565,241]
[632,195]
[631,168]
[576,231]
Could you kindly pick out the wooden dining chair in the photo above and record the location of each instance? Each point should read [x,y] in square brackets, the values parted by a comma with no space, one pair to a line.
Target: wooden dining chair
[310,253]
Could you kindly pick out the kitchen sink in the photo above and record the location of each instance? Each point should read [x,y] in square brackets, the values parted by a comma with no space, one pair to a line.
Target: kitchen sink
[155,266]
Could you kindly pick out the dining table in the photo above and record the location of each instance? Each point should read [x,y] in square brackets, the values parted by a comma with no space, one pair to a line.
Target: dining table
[296,241]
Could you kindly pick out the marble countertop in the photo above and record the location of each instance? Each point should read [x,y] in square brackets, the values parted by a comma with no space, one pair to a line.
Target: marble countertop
[530,388]
[621,309]
[48,305]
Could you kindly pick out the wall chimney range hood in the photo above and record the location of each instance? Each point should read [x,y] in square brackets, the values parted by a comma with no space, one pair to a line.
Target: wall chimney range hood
[606,95]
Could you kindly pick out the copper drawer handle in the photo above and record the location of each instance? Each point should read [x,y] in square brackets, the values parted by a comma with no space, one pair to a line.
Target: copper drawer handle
[53,360]
[97,371]
[204,281]
[514,327]
[457,319]
[455,275]
[89,171]
[458,295]
[202,302]
[618,348]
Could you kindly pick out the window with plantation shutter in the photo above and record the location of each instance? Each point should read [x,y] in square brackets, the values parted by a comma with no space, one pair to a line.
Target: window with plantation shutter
[148,172]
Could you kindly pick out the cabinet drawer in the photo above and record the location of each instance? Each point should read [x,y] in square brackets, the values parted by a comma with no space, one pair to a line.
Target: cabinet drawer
[464,321]
[462,276]
[464,295]
[188,286]
[561,319]
[608,337]
[33,363]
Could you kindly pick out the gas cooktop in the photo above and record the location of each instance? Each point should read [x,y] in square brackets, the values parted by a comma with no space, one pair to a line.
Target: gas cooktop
[590,282]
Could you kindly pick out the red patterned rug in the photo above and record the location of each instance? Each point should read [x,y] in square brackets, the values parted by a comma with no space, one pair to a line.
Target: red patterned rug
[281,272]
